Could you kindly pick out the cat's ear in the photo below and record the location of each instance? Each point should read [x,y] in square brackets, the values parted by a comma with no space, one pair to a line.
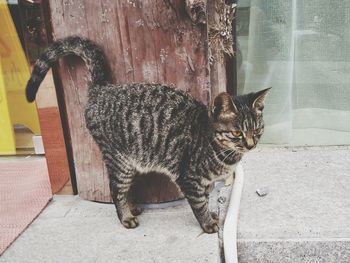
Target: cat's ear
[223,105]
[259,99]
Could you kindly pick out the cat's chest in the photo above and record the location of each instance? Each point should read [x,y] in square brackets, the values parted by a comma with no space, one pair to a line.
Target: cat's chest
[224,172]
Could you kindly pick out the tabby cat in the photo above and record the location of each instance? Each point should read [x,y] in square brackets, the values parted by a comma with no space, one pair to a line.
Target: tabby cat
[152,127]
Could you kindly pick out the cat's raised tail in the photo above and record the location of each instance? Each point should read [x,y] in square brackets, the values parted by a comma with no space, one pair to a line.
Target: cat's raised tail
[92,55]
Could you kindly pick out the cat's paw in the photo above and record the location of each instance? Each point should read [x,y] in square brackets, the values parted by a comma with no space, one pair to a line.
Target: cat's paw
[209,189]
[215,216]
[130,222]
[137,211]
[211,227]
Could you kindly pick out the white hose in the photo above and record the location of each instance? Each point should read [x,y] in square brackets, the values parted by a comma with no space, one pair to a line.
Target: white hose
[231,220]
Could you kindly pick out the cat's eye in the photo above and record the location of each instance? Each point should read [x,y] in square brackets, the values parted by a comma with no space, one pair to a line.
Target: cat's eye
[236,133]
[226,134]
[257,131]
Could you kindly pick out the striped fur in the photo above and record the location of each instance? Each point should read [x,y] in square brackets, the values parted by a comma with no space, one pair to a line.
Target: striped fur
[141,128]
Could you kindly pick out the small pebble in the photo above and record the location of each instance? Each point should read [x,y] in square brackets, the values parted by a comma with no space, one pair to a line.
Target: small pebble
[222,200]
[262,191]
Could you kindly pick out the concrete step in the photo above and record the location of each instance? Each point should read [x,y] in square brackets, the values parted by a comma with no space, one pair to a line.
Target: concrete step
[306,215]
[74,230]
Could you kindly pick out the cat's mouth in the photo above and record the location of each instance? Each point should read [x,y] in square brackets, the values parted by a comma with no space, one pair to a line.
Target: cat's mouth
[243,149]
[240,149]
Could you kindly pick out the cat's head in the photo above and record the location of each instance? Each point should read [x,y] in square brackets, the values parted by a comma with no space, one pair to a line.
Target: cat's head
[238,121]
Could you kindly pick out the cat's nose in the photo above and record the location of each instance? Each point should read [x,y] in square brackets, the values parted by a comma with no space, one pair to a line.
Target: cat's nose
[249,144]
[249,147]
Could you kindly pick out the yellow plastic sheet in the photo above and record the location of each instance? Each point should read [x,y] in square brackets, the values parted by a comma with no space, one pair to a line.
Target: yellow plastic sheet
[14,74]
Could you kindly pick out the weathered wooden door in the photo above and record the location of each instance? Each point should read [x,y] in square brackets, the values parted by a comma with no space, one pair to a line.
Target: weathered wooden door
[145,41]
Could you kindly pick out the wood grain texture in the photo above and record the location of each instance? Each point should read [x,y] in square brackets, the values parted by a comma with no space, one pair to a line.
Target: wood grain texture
[55,150]
[217,65]
[197,10]
[145,41]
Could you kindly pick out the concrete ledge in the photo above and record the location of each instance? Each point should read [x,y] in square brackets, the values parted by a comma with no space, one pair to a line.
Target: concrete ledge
[293,251]
[306,215]
[74,230]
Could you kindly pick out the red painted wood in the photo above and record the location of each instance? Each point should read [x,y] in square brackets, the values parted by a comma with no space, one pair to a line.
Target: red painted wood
[55,150]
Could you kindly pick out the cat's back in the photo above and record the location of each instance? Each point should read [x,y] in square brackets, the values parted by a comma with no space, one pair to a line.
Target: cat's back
[149,123]
[151,96]
[142,109]
[136,101]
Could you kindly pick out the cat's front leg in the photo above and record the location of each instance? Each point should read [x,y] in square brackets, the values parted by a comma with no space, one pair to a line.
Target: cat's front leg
[208,189]
[197,198]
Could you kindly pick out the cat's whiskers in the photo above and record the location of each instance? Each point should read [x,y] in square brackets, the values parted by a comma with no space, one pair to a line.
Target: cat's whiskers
[223,161]
[201,233]
[213,140]
[223,151]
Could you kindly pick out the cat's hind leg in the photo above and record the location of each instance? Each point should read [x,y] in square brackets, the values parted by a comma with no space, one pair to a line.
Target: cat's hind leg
[121,176]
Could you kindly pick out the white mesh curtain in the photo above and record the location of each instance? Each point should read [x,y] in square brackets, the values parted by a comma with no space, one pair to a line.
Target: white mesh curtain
[301,48]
